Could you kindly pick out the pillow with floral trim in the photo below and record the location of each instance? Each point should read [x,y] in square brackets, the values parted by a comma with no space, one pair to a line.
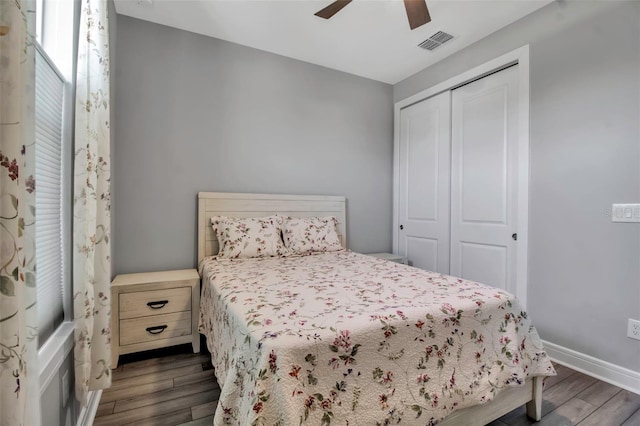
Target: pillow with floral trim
[304,235]
[241,238]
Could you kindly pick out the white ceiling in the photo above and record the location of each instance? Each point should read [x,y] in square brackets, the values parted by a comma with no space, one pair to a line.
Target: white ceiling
[369,38]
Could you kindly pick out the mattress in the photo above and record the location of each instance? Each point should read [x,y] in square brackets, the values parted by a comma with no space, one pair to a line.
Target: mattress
[344,338]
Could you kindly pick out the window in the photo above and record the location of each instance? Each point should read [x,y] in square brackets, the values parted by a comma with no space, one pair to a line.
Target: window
[54,157]
[39,8]
[50,97]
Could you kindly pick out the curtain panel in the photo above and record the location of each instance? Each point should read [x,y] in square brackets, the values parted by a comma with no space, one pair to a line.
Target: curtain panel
[19,389]
[92,204]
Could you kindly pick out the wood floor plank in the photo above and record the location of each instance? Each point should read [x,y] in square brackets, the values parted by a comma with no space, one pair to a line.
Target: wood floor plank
[562,373]
[569,413]
[615,411]
[194,378]
[598,393]
[149,411]
[203,410]
[157,368]
[156,361]
[497,423]
[113,394]
[165,395]
[171,419]
[517,417]
[156,377]
[634,420]
[205,421]
[563,391]
[105,408]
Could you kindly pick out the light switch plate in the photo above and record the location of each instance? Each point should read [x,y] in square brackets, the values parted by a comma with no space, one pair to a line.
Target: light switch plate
[625,213]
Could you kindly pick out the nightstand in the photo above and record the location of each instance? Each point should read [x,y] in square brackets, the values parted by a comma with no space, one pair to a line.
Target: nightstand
[391,257]
[154,310]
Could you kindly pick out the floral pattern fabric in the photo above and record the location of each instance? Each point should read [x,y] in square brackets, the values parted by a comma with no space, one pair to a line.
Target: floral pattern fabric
[19,387]
[304,235]
[92,205]
[251,237]
[343,338]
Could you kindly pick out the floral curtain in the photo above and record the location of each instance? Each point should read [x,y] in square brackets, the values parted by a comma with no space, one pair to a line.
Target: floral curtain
[92,204]
[19,390]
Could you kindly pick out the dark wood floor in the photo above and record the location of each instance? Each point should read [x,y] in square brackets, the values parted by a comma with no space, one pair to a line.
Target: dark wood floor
[175,387]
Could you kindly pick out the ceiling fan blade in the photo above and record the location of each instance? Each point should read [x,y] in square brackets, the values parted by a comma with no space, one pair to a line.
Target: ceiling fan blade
[417,13]
[332,9]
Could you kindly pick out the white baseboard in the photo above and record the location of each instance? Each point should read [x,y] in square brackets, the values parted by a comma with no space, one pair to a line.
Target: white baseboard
[88,413]
[594,367]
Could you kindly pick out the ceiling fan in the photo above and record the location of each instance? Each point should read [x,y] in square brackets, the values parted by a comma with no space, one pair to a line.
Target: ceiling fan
[417,11]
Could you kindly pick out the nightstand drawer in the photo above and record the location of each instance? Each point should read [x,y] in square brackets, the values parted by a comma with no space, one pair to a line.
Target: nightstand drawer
[156,302]
[157,327]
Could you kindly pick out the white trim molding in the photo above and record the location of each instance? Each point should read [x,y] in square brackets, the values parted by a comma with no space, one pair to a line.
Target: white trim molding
[518,56]
[88,413]
[594,367]
[53,353]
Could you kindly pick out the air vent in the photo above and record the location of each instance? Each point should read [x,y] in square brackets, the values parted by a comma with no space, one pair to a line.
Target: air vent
[436,40]
[429,44]
[441,37]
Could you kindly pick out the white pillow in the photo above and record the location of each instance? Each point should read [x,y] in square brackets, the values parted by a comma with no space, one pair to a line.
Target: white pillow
[304,235]
[241,238]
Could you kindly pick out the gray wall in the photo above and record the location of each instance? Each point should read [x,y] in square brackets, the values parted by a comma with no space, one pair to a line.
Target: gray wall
[584,271]
[199,114]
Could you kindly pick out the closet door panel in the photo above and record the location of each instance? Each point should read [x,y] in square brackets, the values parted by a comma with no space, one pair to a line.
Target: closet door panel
[423,252]
[422,169]
[425,135]
[483,157]
[484,179]
[475,258]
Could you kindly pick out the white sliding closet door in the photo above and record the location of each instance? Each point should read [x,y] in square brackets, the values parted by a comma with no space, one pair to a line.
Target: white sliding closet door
[484,178]
[423,210]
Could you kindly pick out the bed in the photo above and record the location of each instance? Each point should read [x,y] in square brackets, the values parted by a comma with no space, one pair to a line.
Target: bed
[344,338]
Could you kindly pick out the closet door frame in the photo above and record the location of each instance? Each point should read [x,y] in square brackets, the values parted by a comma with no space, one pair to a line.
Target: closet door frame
[518,56]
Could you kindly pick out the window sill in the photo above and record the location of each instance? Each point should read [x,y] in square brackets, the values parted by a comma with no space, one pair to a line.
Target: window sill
[53,353]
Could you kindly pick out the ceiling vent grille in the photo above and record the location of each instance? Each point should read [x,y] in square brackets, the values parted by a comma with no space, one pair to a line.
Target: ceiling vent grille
[441,37]
[436,40]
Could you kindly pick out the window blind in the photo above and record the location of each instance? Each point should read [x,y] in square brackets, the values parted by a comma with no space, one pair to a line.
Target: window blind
[49,104]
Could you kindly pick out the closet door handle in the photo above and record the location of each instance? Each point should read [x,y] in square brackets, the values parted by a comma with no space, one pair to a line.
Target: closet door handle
[514,237]
[401,227]
[158,304]
[157,329]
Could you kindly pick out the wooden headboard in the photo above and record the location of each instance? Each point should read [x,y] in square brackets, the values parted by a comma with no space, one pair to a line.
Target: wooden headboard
[257,205]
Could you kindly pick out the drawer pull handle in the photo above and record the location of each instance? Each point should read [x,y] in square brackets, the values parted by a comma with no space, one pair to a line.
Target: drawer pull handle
[157,329]
[159,304]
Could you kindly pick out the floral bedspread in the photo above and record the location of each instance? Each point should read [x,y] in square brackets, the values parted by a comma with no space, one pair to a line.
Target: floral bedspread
[344,338]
